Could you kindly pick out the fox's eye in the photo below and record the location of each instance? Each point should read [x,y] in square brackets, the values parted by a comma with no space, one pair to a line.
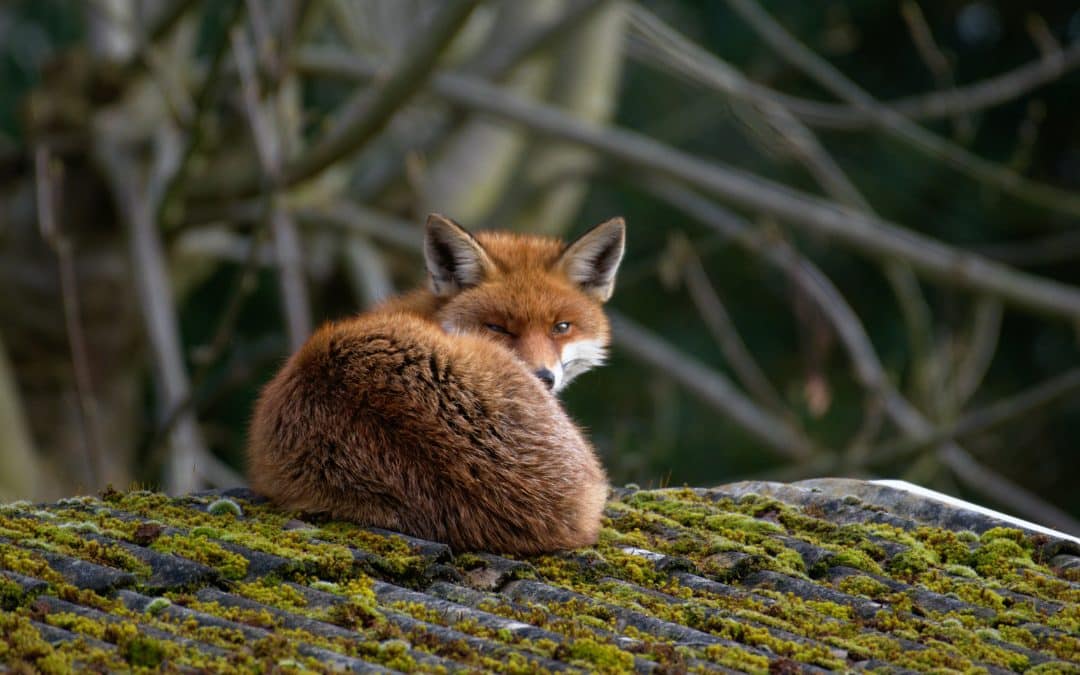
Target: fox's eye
[561,328]
[496,328]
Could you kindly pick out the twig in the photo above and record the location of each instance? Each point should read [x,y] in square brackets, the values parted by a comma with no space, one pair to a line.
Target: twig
[972,368]
[242,287]
[216,472]
[853,336]
[873,236]
[367,271]
[1043,37]
[363,220]
[927,48]
[714,389]
[859,446]
[1049,250]
[996,488]
[497,64]
[293,285]
[984,419]
[495,67]
[169,206]
[932,56]
[689,59]
[363,116]
[149,270]
[805,60]
[723,330]
[980,95]
[167,19]
[46,176]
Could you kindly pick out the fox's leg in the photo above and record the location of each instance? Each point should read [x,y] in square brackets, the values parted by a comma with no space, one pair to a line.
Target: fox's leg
[387,421]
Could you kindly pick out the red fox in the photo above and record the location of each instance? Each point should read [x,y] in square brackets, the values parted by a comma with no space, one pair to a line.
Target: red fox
[434,413]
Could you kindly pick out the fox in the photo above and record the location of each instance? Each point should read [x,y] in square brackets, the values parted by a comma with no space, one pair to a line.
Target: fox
[435,414]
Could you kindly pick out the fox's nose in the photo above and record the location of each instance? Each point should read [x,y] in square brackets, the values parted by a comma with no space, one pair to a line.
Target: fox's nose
[547,377]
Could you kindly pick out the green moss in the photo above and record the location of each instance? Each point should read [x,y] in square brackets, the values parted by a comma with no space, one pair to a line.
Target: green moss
[48,536]
[225,507]
[910,563]
[272,592]
[157,606]
[962,571]
[601,658]
[946,544]
[737,659]
[999,556]
[200,549]
[11,595]
[357,614]
[143,651]
[741,522]
[858,584]
[860,560]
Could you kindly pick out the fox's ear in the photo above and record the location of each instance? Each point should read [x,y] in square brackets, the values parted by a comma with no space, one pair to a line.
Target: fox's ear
[592,260]
[455,260]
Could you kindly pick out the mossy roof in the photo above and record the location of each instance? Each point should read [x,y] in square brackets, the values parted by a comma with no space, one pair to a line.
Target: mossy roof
[759,577]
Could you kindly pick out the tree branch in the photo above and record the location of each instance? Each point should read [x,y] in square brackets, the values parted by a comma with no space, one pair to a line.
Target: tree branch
[713,388]
[45,179]
[723,330]
[807,61]
[871,235]
[687,58]
[296,307]
[364,116]
[984,419]
[977,96]
[853,336]
[149,271]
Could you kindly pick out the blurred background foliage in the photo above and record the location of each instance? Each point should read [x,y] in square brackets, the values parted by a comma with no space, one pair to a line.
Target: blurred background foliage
[186,187]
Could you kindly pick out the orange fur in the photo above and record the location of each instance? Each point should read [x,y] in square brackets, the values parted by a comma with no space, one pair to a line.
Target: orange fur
[418,417]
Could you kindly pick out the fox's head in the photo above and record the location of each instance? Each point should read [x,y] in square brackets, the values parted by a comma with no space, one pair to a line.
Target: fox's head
[537,295]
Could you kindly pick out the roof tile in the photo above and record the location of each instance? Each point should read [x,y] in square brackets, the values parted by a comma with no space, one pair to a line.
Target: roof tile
[806,577]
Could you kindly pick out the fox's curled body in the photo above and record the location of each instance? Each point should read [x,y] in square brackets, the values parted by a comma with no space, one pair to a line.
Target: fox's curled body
[412,418]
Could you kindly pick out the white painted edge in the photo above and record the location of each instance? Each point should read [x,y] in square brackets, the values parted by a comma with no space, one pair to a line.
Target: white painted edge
[642,553]
[927,493]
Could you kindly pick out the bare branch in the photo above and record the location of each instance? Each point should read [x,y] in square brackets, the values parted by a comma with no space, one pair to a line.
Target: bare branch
[687,58]
[169,206]
[996,488]
[934,58]
[804,59]
[984,419]
[218,473]
[984,94]
[206,357]
[367,271]
[46,176]
[1043,37]
[868,368]
[350,216]
[293,285]
[723,329]
[972,368]
[1048,250]
[496,66]
[147,257]
[365,115]
[714,389]
[871,235]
